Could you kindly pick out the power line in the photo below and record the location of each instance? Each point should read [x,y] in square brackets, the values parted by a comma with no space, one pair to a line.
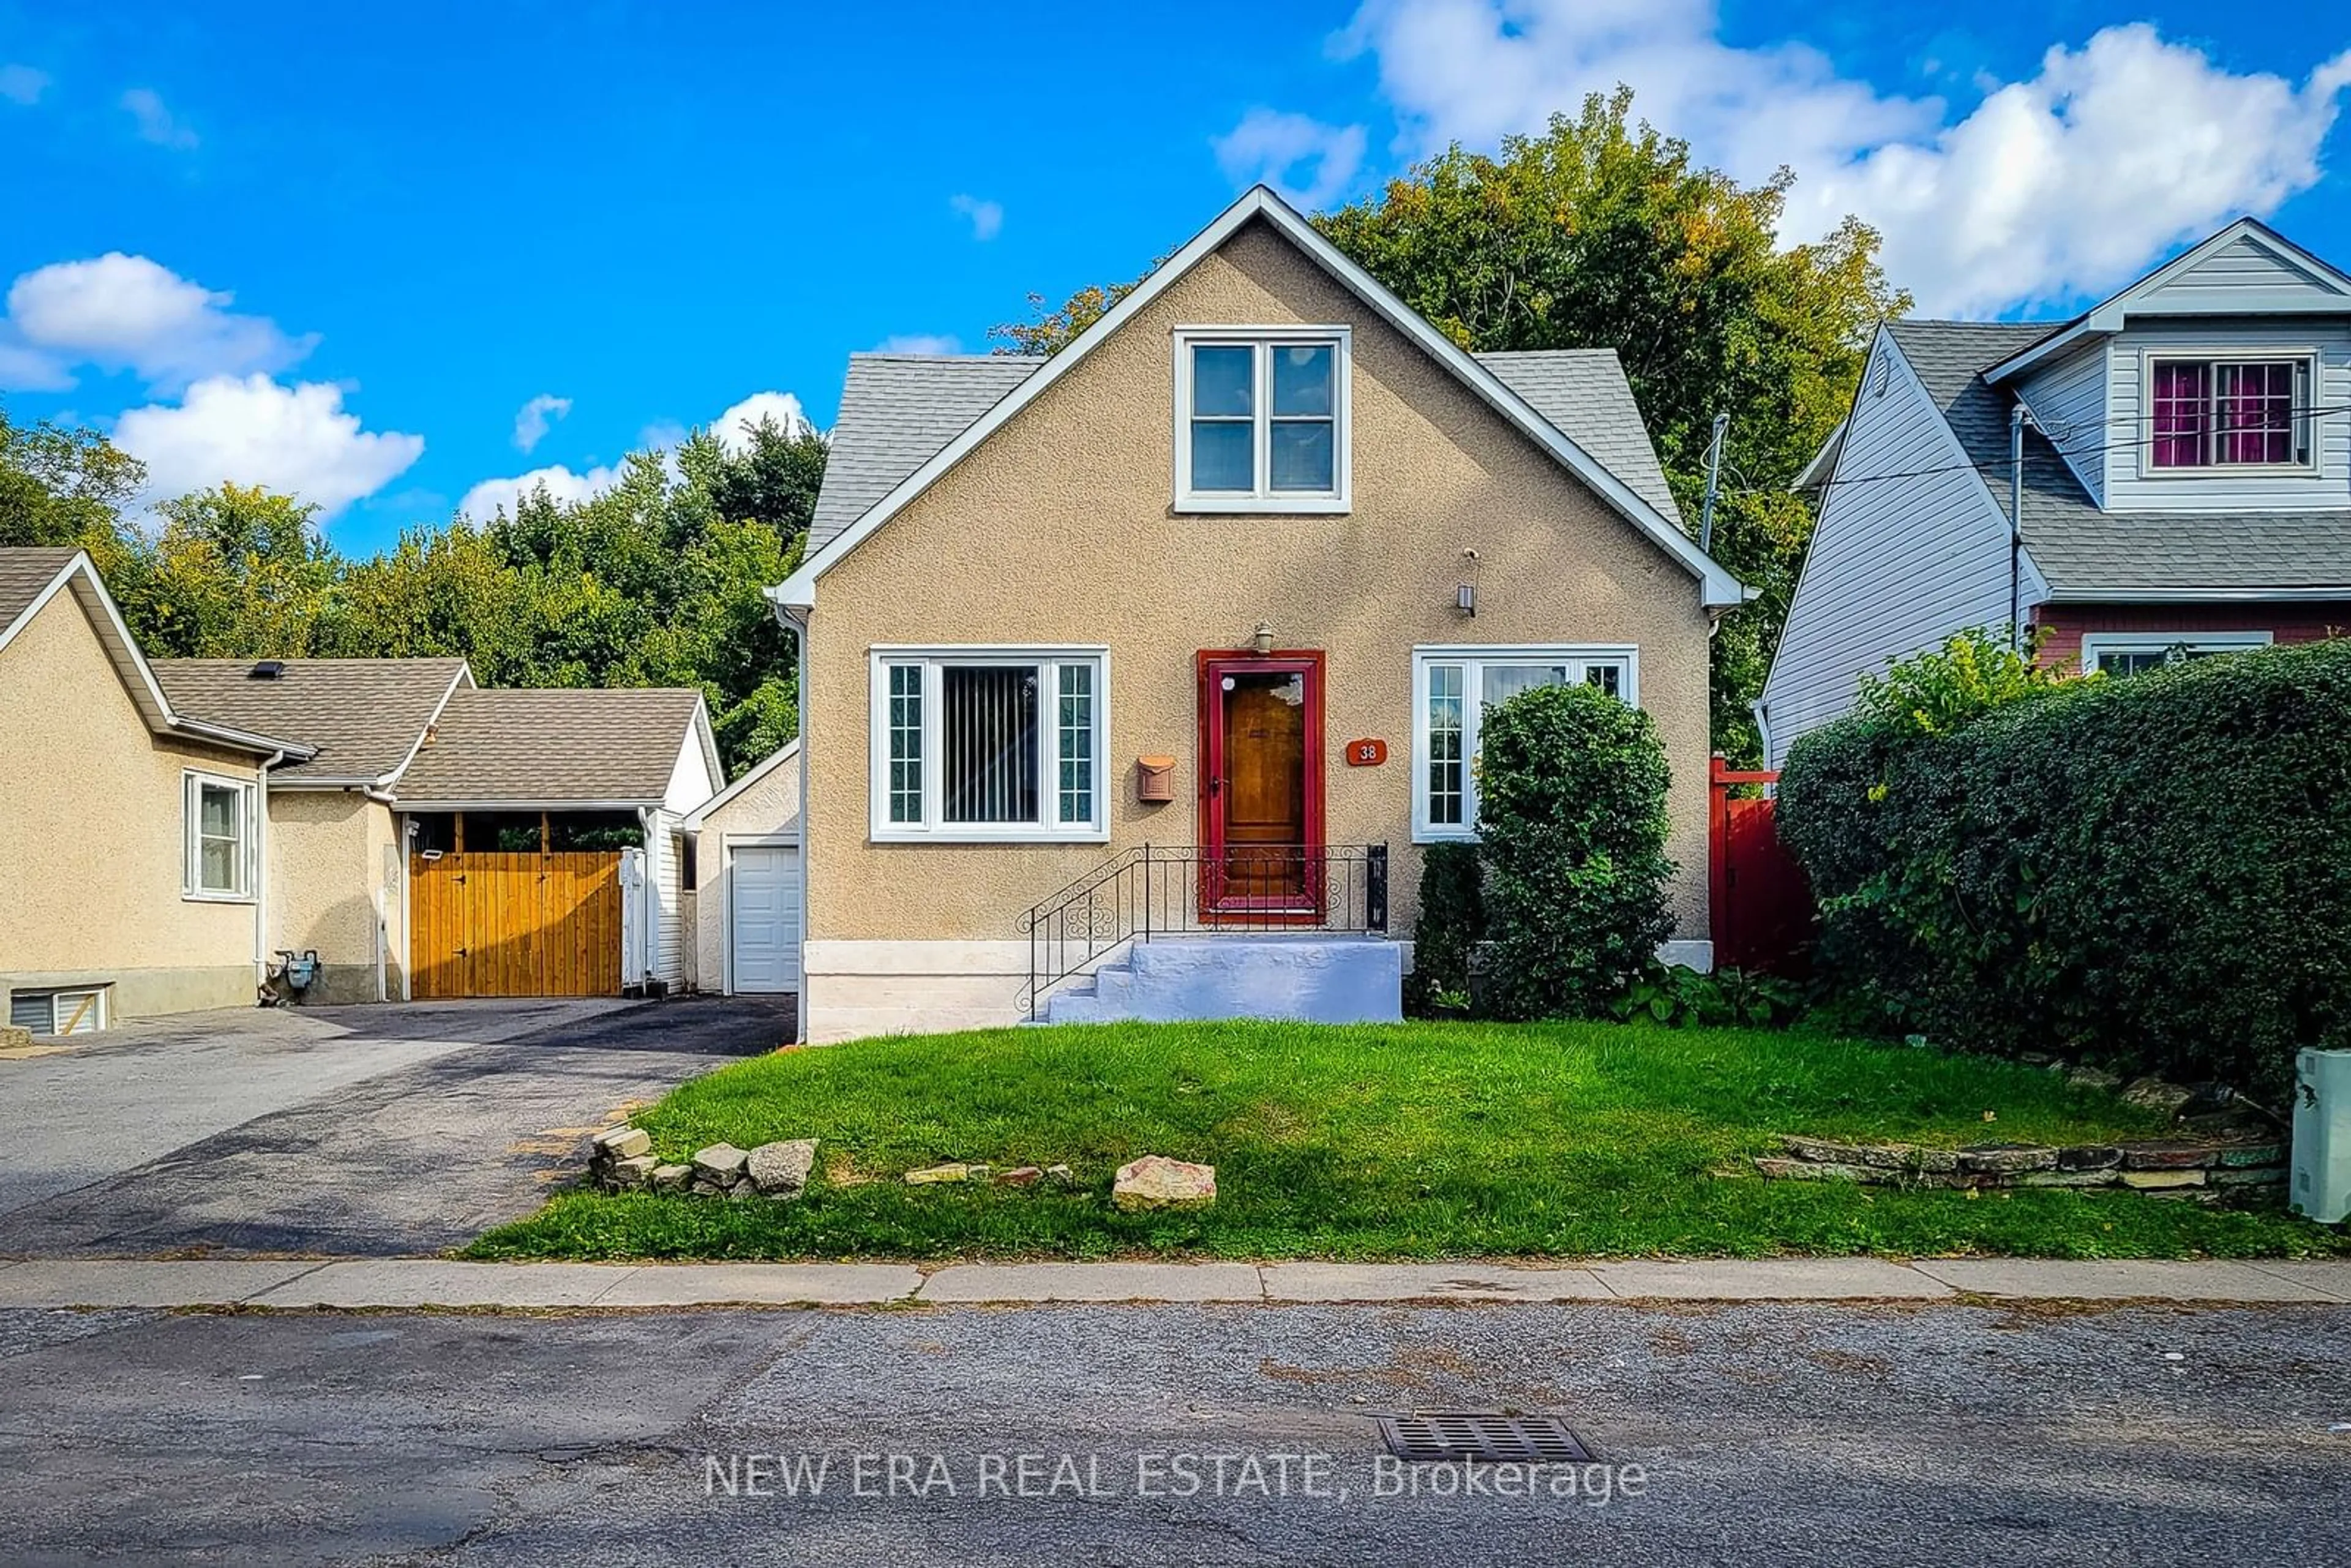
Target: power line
[2002,466]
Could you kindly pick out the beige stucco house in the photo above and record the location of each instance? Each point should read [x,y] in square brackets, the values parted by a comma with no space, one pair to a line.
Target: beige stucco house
[1231,576]
[321,807]
[129,829]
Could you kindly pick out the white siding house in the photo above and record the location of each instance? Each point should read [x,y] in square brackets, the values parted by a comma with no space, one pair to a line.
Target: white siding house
[2139,529]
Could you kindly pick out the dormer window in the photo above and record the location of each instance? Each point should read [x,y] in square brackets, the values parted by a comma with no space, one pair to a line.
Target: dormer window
[1261,419]
[2217,412]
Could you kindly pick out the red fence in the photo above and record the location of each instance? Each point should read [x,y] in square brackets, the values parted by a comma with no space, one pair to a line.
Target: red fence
[1763,914]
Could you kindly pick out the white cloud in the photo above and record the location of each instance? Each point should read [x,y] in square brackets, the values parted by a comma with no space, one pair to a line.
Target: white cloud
[919,343]
[22,84]
[490,497]
[156,122]
[987,217]
[1310,163]
[122,312]
[531,424]
[732,429]
[255,431]
[2070,182]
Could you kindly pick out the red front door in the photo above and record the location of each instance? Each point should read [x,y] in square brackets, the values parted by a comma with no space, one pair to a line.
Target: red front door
[1261,788]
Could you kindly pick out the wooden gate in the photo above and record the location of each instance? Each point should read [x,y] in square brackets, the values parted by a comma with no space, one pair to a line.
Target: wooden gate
[484,924]
[1760,899]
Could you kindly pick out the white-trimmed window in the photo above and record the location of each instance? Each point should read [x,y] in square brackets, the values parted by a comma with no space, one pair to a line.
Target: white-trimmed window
[2131,652]
[2211,412]
[996,743]
[1261,417]
[219,829]
[1451,689]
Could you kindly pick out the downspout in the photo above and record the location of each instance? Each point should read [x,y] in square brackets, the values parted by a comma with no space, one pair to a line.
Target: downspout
[261,871]
[2016,420]
[797,624]
[382,914]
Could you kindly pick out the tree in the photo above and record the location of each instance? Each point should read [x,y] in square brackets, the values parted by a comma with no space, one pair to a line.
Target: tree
[61,486]
[237,572]
[1602,232]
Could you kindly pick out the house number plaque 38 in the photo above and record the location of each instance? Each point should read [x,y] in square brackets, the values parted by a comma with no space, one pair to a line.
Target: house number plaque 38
[1367,753]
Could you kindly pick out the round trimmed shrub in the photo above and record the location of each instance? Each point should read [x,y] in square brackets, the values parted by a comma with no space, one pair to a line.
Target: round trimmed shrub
[1571,813]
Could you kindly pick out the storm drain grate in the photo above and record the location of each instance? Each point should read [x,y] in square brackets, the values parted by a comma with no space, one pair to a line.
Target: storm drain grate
[1454,1435]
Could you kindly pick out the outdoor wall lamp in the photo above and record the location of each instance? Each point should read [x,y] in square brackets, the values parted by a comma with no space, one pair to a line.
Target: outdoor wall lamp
[1465,597]
[1262,640]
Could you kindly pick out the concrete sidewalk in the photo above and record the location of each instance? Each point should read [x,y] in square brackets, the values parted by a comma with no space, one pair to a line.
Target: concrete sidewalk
[400,1282]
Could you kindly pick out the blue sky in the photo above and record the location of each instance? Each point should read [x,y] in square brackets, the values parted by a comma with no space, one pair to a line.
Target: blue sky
[343,251]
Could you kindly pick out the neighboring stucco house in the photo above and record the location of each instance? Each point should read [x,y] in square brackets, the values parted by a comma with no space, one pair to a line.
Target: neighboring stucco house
[323,806]
[1232,575]
[2185,483]
[128,829]
[747,892]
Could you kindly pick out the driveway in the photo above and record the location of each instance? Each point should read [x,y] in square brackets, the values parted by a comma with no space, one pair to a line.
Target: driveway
[371,1130]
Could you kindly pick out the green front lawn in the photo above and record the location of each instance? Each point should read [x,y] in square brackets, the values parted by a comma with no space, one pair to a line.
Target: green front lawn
[1411,1141]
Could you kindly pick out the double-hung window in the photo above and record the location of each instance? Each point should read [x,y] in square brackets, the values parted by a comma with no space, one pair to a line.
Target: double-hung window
[218,827]
[977,744]
[2207,414]
[1261,419]
[1451,690]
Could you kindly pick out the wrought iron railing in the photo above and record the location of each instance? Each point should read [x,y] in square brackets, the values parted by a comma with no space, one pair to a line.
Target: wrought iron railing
[1168,890]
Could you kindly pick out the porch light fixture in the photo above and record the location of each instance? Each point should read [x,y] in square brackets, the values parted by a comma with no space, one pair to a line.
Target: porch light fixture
[1262,640]
[1465,596]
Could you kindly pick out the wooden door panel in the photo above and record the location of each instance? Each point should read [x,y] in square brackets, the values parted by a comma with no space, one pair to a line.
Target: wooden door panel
[498,924]
[1262,811]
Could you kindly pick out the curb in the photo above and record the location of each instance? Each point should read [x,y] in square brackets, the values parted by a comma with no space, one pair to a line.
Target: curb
[398,1282]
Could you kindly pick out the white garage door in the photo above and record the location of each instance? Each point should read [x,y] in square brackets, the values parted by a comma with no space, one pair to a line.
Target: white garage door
[763,922]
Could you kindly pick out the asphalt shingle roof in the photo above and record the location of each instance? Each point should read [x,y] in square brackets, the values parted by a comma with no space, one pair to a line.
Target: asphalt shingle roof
[897,411]
[23,572]
[553,748]
[362,715]
[1584,394]
[2078,547]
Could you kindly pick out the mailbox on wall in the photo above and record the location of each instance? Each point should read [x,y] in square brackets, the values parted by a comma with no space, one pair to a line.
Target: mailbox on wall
[1154,779]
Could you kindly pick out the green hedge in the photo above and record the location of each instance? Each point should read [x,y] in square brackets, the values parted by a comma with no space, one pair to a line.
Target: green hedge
[2156,869]
[1572,826]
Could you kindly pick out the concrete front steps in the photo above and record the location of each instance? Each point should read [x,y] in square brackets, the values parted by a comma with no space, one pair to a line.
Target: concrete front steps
[1314,977]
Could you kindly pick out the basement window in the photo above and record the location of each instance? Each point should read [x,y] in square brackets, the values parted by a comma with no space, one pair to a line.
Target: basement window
[81,1011]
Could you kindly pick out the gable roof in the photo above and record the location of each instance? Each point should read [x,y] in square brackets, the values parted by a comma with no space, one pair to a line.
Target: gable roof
[758,770]
[2082,550]
[556,749]
[2314,286]
[896,411]
[1718,589]
[365,716]
[1585,395]
[30,578]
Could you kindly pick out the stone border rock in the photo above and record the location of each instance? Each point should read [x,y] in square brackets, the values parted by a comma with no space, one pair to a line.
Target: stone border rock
[621,1159]
[2203,1171]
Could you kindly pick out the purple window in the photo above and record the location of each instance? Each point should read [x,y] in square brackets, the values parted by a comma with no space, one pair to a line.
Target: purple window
[2183,395]
[2209,412]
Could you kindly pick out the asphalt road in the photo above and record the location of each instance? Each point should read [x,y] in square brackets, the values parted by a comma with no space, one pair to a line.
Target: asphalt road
[1759,1434]
[351,1131]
